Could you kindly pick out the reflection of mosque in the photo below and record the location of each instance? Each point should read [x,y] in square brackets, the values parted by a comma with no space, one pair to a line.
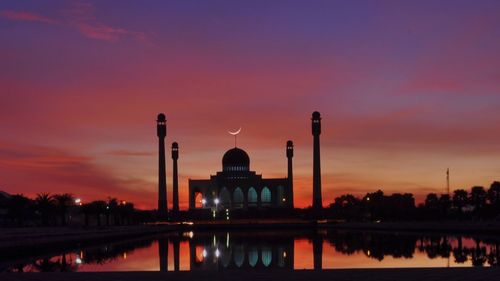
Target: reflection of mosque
[230,251]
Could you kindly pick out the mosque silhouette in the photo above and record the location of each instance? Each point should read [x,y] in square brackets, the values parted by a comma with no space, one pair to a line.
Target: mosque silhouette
[236,187]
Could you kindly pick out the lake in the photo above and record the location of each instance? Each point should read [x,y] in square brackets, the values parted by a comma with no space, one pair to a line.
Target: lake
[265,249]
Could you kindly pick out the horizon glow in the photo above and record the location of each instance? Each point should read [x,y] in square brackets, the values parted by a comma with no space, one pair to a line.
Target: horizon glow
[405,90]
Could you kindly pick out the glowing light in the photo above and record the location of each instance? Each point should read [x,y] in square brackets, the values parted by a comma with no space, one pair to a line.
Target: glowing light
[204,253]
[284,254]
[203,201]
[217,253]
[78,201]
[216,201]
[78,260]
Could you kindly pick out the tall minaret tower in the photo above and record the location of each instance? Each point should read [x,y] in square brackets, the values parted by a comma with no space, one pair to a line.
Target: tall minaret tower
[289,156]
[175,182]
[316,131]
[161,127]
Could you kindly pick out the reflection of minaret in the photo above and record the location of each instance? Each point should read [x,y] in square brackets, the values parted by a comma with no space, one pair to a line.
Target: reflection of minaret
[318,252]
[175,187]
[163,254]
[176,253]
[162,178]
[289,155]
[316,131]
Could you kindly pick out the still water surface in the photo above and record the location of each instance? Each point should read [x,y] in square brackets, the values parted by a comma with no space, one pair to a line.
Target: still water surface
[263,250]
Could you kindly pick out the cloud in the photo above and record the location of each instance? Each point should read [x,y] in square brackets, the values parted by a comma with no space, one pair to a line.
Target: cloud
[26,16]
[81,18]
[33,169]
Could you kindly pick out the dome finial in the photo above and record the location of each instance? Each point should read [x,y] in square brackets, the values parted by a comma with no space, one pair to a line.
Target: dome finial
[235,134]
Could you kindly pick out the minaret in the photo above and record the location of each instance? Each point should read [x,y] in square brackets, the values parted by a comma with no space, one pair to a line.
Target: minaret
[316,131]
[162,177]
[289,156]
[175,183]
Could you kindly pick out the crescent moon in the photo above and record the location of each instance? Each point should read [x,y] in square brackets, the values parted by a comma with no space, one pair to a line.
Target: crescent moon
[235,133]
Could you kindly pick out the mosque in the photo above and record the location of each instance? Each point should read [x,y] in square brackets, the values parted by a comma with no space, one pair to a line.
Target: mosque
[237,187]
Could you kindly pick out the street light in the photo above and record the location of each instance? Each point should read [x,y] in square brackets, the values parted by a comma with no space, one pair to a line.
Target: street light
[203,201]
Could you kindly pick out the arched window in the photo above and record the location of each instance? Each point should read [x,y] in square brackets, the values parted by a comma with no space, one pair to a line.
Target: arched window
[252,196]
[265,196]
[198,200]
[238,198]
[267,256]
[225,198]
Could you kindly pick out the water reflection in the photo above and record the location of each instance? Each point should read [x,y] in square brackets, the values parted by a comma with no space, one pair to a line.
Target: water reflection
[240,251]
[265,250]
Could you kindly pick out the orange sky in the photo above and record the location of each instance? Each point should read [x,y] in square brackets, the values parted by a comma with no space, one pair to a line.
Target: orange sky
[405,91]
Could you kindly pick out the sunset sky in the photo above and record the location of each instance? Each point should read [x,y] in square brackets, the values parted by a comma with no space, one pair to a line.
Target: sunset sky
[406,89]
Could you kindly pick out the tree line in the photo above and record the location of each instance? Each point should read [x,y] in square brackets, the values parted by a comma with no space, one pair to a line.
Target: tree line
[64,209]
[478,203]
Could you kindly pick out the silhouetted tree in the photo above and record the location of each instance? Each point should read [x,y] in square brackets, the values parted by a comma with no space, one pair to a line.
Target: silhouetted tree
[432,201]
[494,194]
[20,209]
[45,205]
[64,201]
[444,204]
[478,198]
[459,199]
[111,209]
[98,208]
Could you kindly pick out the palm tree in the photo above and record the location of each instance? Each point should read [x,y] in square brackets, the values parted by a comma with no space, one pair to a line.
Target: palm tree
[64,201]
[45,205]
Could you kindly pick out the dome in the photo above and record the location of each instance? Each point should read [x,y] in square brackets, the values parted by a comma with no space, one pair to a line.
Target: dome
[235,158]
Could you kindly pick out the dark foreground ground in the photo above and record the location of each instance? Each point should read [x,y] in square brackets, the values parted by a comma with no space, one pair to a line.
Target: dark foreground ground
[420,274]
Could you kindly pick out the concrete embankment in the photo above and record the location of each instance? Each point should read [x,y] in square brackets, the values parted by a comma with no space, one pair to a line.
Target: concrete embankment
[409,274]
[20,239]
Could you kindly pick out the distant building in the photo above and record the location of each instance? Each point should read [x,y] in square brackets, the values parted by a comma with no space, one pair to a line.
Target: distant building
[237,187]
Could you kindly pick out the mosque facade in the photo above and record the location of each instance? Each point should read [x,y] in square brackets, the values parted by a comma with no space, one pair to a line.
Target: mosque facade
[237,187]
